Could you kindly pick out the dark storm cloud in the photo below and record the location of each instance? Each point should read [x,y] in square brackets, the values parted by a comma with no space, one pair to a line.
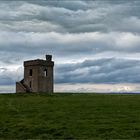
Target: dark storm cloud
[99,71]
[7,77]
[6,80]
[110,70]
[70,16]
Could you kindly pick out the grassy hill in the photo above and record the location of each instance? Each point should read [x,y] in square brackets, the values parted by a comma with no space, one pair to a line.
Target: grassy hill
[69,116]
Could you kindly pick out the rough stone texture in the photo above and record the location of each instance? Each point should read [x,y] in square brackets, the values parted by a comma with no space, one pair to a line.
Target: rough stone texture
[38,76]
[20,88]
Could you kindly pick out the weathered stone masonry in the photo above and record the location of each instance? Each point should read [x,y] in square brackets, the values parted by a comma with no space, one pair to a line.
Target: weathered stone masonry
[38,76]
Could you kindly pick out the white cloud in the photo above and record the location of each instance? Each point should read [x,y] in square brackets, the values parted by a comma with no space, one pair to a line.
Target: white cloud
[128,40]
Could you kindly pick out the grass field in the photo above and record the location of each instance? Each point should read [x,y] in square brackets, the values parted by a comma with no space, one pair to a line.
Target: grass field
[70,116]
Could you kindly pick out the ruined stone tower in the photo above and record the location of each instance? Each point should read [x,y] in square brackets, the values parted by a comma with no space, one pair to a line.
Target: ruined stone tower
[38,76]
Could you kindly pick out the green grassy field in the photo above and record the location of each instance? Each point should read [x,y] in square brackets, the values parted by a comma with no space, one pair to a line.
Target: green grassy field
[69,116]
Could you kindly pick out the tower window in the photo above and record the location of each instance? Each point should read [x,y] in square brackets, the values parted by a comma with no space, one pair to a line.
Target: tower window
[30,72]
[45,72]
[30,84]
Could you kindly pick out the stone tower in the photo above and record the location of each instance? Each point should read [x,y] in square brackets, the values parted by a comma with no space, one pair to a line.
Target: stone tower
[38,76]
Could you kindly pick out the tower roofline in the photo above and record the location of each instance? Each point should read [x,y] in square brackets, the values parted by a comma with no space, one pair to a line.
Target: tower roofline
[38,62]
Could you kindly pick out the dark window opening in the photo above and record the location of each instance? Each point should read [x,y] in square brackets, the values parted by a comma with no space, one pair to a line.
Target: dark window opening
[30,84]
[31,72]
[45,72]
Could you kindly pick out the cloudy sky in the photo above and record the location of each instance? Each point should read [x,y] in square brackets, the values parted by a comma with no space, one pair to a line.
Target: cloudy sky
[95,44]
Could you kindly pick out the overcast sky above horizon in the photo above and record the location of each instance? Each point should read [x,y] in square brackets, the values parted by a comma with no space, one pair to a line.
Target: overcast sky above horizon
[92,42]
